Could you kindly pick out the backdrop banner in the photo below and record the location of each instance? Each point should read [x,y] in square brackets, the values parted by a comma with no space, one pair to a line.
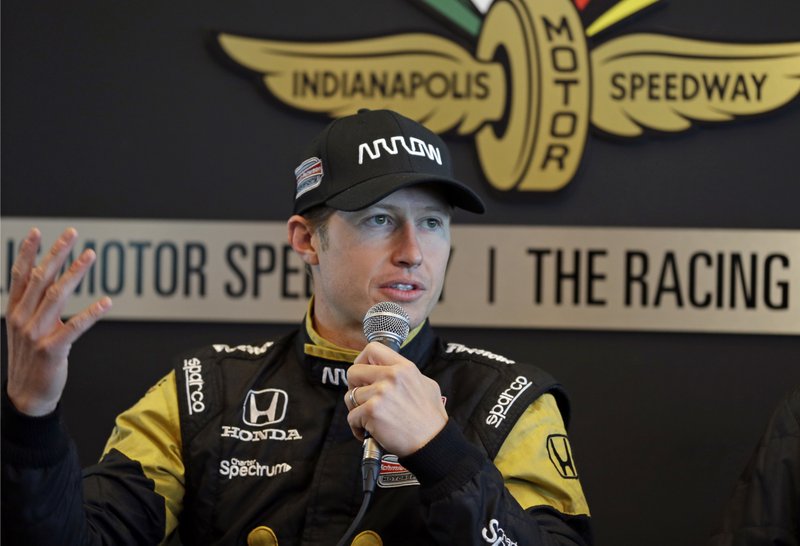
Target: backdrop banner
[598,278]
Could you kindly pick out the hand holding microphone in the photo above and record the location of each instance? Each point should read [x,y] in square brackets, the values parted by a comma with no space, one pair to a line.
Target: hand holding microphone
[388,398]
[391,400]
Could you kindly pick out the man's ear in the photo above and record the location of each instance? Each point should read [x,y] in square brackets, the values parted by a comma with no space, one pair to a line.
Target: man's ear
[300,237]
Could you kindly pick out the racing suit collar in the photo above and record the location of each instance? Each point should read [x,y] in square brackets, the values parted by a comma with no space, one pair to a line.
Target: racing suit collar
[327,363]
[318,346]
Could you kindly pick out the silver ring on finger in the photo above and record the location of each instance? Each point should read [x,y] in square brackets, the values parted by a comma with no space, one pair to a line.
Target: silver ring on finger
[353,400]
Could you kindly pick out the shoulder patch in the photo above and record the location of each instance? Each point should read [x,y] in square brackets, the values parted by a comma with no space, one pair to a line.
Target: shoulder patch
[249,349]
[506,400]
[458,348]
[560,453]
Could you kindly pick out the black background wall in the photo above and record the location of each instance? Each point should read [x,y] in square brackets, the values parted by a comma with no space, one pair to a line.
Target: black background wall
[122,110]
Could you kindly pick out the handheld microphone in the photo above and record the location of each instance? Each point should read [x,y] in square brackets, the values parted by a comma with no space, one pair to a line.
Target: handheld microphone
[386,323]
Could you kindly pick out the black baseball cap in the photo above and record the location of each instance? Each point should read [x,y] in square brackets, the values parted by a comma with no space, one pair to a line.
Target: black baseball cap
[359,159]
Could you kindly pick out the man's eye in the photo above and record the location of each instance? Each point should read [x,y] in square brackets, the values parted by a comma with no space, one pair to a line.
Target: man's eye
[432,223]
[380,219]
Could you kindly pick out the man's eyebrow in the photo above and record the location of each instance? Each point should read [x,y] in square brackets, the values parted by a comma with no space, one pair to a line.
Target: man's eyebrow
[437,208]
[445,209]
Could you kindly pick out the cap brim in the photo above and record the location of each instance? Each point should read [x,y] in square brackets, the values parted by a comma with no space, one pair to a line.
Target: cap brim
[371,191]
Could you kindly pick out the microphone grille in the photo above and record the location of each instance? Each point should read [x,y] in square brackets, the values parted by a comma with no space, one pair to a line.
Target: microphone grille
[386,319]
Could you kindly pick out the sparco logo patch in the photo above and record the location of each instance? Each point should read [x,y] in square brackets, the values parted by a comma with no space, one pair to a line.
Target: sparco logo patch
[393,474]
[561,456]
[238,468]
[494,535]
[265,407]
[193,373]
[506,399]
[260,435]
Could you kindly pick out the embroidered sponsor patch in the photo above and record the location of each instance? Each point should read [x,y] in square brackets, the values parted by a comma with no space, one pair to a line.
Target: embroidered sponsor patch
[238,468]
[560,453]
[458,348]
[393,474]
[245,435]
[412,146]
[309,175]
[334,376]
[193,375]
[249,349]
[264,407]
[506,399]
[494,535]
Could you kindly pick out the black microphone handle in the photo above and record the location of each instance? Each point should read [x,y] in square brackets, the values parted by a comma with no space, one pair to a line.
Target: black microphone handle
[386,323]
[388,341]
[371,456]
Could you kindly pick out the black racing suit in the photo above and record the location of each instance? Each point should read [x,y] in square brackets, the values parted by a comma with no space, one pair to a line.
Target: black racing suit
[250,445]
[764,508]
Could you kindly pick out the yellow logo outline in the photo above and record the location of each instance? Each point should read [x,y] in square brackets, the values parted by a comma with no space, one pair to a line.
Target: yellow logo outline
[529,114]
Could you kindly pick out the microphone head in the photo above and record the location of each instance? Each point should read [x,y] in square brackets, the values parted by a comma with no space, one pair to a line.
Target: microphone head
[386,322]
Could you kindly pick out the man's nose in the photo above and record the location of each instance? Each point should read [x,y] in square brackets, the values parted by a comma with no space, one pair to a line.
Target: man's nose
[408,252]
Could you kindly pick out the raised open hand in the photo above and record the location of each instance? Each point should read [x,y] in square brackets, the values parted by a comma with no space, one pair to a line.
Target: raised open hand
[38,340]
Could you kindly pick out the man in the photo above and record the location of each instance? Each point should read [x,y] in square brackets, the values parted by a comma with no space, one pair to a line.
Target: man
[764,508]
[254,444]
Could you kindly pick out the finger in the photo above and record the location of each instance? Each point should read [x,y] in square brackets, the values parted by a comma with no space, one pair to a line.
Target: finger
[354,419]
[360,375]
[77,325]
[388,366]
[42,275]
[356,397]
[377,354]
[56,295]
[349,399]
[23,265]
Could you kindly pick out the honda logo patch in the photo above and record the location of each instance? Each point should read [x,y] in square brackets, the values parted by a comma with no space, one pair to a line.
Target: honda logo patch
[265,407]
[561,456]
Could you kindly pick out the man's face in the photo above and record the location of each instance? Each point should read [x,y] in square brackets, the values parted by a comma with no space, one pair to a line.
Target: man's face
[396,250]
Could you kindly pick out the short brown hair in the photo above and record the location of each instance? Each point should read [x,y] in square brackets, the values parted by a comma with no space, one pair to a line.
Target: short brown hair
[317,218]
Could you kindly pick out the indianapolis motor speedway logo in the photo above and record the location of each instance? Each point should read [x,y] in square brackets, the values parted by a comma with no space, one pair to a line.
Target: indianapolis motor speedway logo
[531,88]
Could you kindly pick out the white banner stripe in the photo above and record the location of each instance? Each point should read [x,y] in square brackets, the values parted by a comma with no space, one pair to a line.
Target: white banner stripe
[662,279]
